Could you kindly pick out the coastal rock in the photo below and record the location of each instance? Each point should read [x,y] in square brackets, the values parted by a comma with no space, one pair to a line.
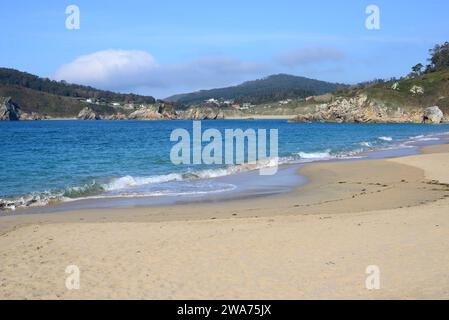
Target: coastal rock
[433,115]
[146,113]
[157,111]
[26,201]
[167,111]
[88,114]
[358,109]
[32,116]
[9,111]
[203,113]
[116,116]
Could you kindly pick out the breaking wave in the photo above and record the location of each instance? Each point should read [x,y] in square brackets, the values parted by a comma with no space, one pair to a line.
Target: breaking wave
[366,144]
[315,155]
[193,181]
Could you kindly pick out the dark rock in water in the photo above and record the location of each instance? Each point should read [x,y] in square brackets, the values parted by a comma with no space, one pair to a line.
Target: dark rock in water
[27,201]
[9,205]
[9,111]
[433,115]
[88,114]
[203,113]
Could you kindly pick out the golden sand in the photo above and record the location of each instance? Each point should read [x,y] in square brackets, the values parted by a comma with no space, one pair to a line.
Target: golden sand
[315,242]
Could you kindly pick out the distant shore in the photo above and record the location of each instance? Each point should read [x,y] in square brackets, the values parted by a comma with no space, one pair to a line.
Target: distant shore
[315,242]
[263,117]
[249,117]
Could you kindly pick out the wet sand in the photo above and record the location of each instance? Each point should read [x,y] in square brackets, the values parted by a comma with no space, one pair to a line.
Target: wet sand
[315,242]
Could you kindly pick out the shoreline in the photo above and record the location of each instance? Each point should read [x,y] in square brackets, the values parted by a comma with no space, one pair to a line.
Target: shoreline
[314,242]
[246,117]
[286,180]
[305,174]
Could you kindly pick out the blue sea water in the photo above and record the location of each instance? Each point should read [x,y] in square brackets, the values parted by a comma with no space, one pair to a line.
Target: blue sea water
[70,160]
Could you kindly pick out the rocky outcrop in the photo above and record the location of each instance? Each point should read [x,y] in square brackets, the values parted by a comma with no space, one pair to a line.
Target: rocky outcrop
[146,113]
[18,203]
[433,115]
[203,113]
[168,111]
[359,109]
[154,112]
[32,116]
[116,116]
[417,90]
[9,111]
[88,114]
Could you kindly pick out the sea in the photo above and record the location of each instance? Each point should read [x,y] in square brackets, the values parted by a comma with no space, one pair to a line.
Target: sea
[99,164]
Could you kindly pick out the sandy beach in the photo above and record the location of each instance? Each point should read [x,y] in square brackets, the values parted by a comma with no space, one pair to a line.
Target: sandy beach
[313,243]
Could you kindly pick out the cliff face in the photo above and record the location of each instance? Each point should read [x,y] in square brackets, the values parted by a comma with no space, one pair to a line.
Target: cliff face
[203,113]
[88,114]
[433,115]
[361,109]
[154,112]
[9,111]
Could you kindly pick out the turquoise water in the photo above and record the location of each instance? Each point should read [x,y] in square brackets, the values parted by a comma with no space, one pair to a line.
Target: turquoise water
[70,160]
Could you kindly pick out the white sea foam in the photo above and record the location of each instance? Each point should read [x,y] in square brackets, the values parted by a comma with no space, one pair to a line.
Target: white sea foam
[423,138]
[366,144]
[429,139]
[129,181]
[385,138]
[129,186]
[125,194]
[315,155]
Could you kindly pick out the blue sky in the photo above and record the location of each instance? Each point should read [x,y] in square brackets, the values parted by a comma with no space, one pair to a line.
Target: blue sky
[165,47]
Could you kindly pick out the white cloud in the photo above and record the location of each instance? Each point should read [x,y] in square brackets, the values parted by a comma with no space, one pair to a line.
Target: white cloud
[138,71]
[309,56]
[112,69]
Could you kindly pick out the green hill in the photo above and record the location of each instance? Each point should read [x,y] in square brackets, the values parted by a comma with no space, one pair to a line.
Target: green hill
[405,96]
[59,99]
[397,100]
[435,91]
[272,88]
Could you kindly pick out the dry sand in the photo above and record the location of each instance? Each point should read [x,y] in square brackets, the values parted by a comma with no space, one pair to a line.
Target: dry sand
[315,242]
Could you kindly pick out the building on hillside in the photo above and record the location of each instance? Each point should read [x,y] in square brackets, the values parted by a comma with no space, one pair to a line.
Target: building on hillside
[310,99]
[212,100]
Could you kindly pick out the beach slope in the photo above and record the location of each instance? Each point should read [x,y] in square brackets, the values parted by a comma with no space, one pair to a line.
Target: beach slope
[316,242]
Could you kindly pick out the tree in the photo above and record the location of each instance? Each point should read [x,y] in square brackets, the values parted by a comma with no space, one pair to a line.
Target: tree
[439,58]
[417,70]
